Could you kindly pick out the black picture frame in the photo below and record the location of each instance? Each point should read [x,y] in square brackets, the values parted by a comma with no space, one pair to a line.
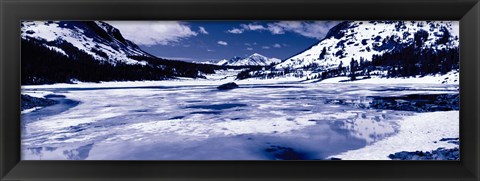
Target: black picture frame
[13,11]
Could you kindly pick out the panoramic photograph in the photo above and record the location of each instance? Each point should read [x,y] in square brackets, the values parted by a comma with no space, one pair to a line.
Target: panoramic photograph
[240,90]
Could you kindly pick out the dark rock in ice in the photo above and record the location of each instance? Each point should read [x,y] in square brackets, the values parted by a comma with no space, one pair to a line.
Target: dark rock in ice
[227,86]
[438,154]
[417,102]
[29,102]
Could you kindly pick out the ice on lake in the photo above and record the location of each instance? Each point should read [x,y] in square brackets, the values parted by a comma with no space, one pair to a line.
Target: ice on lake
[198,122]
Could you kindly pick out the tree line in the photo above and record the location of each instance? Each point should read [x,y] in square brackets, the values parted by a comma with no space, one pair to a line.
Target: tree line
[41,65]
[406,62]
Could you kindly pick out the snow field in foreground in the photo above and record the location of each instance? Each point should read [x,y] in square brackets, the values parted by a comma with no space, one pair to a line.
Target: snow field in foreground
[420,132]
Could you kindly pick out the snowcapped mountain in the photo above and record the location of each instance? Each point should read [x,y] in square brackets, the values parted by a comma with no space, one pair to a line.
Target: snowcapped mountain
[228,62]
[364,39]
[98,39]
[252,60]
[92,51]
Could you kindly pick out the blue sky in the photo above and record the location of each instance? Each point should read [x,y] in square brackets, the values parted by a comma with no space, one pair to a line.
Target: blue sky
[216,40]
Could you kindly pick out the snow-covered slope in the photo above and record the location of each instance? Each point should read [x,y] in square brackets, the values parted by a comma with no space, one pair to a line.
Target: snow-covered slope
[222,62]
[363,39]
[98,39]
[229,62]
[252,60]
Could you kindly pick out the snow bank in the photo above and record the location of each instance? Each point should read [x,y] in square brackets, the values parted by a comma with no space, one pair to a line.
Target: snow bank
[449,78]
[222,77]
[420,132]
[168,83]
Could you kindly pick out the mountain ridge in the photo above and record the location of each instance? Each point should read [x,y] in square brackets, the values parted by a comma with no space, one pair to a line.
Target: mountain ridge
[383,48]
[338,36]
[255,59]
[92,51]
[98,39]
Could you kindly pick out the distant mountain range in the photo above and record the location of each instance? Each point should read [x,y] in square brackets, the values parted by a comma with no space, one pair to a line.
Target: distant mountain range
[253,60]
[92,51]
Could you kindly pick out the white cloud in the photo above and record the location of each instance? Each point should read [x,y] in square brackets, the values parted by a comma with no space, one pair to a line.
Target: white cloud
[276,45]
[252,27]
[222,43]
[275,29]
[247,44]
[265,47]
[235,31]
[315,29]
[153,32]
[249,49]
[202,30]
[310,29]
[246,27]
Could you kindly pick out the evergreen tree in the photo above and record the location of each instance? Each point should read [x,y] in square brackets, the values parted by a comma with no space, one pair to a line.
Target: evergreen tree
[322,54]
[353,68]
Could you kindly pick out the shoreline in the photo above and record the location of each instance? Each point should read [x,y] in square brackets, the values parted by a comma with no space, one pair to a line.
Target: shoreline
[216,82]
[61,104]
[31,103]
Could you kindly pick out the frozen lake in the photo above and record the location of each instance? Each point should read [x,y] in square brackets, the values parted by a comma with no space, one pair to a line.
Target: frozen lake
[198,122]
